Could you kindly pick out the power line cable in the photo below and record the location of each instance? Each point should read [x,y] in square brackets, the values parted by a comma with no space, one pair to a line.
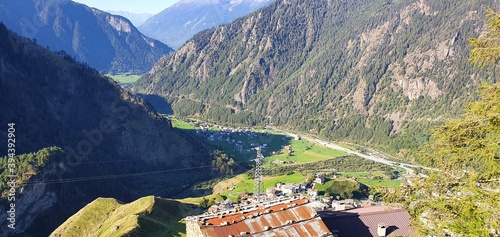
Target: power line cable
[113,176]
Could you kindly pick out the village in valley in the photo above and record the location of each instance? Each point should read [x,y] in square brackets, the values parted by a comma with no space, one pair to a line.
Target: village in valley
[294,170]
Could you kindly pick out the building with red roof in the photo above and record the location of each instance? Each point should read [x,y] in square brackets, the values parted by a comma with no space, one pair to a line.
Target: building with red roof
[280,217]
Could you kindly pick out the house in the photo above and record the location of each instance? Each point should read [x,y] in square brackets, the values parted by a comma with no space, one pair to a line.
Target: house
[319,206]
[278,161]
[271,192]
[288,189]
[320,179]
[303,186]
[327,200]
[312,192]
[338,206]
[213,208]
[280,217]
[341,205]
[369,222]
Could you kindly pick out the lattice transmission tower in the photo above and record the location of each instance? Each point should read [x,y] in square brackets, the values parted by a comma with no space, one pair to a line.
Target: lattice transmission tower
[258,186]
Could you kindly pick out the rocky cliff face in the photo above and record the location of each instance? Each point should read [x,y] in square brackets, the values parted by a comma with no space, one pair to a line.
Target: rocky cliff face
[358,70]
[114,144]
[107,42]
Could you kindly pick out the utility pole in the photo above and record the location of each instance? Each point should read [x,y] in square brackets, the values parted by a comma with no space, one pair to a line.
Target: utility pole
[258,187]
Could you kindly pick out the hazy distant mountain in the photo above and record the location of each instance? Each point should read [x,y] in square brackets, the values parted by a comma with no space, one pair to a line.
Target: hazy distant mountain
[102,130]
[176,24]
[376,71]
[106,42]
[136,18]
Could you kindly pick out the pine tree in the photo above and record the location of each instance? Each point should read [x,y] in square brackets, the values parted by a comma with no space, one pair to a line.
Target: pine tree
[462,196]
[486,50]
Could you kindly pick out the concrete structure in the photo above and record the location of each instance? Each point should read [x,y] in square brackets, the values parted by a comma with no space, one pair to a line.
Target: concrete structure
[381,230]
[280,217]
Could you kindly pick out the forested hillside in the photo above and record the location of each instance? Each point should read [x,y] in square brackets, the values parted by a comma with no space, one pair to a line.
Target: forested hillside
[78,136]
[380,72]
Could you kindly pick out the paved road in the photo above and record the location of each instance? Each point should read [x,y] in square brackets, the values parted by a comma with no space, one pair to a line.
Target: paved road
[408,167]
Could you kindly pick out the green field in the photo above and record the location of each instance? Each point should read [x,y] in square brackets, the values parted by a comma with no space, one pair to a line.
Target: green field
[244,183]
[293,178]
[303,151]
[364,178]
[124,78]
[181,124]
[322,187]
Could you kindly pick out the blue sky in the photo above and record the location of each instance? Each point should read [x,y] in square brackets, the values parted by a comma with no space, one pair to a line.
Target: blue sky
[136,6]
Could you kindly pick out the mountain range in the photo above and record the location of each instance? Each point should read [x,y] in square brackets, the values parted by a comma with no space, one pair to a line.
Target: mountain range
[79,136]
[379,72]
[136,18]
[178,23]
[108,43]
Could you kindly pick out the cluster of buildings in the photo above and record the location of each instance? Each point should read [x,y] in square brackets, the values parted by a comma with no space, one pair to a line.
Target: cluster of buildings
[290,189]
[297,216]
[233,136]
[218,133]
[279,217]
[286,212]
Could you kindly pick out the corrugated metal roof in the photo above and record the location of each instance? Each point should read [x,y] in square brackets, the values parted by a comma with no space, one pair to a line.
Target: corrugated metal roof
[236,217]
[291,219]
[310,228]
[364,223]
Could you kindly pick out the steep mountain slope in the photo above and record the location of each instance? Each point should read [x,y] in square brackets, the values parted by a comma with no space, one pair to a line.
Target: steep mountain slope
[148,216]
[178,23]
[136,18]
[110,144]
[106,42]
[373,71]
